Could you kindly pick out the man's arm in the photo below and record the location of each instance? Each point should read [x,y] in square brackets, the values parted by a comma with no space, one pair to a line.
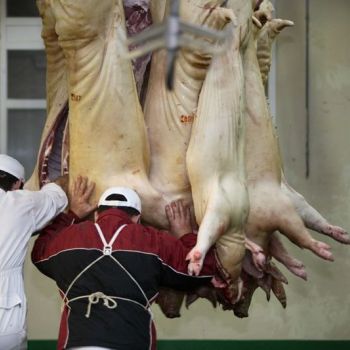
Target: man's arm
[49,233]
[173,251]
[48,202]
[79,208]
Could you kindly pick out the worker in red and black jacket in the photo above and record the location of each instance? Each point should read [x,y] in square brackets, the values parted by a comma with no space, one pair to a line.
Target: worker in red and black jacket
[109,272]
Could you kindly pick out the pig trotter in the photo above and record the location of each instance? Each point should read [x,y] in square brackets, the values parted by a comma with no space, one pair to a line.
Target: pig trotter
[322,250]
[195,264]
[337,233]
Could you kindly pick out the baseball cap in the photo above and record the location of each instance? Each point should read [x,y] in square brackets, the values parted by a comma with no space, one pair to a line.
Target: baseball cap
[132,199]
[12,166]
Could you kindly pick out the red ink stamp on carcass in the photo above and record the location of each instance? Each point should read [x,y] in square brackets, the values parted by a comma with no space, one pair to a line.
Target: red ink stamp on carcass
[187,118]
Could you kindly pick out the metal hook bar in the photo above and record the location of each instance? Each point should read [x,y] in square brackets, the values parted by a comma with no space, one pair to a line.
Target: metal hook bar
[171,35]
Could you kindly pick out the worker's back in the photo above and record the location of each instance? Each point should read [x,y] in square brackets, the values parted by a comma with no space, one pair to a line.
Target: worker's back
[17,225]
[108,275]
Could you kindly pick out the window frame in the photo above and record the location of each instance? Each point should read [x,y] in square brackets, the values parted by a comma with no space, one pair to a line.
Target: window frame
[11,39]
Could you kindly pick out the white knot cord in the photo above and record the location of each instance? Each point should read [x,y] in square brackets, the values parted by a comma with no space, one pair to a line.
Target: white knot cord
[94,298]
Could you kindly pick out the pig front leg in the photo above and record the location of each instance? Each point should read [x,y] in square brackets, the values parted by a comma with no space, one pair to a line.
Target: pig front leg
[279,252]
[312,218]
[279,214]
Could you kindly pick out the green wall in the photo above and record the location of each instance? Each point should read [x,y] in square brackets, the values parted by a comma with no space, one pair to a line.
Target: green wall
[227,344]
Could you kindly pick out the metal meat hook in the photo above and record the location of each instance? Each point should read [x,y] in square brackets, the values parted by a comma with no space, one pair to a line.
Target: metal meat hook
[172,34]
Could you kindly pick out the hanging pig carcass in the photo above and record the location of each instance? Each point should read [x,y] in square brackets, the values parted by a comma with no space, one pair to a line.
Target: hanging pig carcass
[212,144]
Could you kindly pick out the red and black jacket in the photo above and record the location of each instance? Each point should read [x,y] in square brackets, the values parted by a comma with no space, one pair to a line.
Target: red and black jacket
[120,320]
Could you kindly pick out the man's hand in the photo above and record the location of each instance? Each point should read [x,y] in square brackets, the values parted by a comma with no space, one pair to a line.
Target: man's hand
[79,197]
[179,217]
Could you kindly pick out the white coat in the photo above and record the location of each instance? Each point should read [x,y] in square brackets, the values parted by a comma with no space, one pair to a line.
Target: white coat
[22,213]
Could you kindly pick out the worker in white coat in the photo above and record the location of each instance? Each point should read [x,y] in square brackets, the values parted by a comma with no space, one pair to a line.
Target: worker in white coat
[22,212]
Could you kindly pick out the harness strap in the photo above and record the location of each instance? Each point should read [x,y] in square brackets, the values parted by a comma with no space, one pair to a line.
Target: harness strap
[107,247]
[107,250]
[108,301]
[65,295]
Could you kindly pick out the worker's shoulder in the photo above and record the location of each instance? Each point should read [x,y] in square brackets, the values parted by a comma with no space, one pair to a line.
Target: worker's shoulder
[83,225]
[155,230]
[145,229]
[79,234]
[30,195]
[19,198]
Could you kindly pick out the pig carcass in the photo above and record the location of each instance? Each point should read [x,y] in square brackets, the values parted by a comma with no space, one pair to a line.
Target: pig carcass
[215,162]
[92,41]
[169,115]
[264,169]
[289,203]
[311,218]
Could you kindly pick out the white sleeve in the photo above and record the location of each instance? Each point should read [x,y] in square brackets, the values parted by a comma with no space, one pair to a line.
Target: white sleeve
[47,203]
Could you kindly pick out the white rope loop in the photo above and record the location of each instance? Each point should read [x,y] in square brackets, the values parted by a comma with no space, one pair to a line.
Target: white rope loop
[94,298]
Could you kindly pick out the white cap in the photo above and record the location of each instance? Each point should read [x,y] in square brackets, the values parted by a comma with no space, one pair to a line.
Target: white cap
[11,166]
[132,198]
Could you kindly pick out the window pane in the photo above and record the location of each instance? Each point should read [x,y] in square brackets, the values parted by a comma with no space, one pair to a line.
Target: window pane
[24,134]
[22,8]
[26,74]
